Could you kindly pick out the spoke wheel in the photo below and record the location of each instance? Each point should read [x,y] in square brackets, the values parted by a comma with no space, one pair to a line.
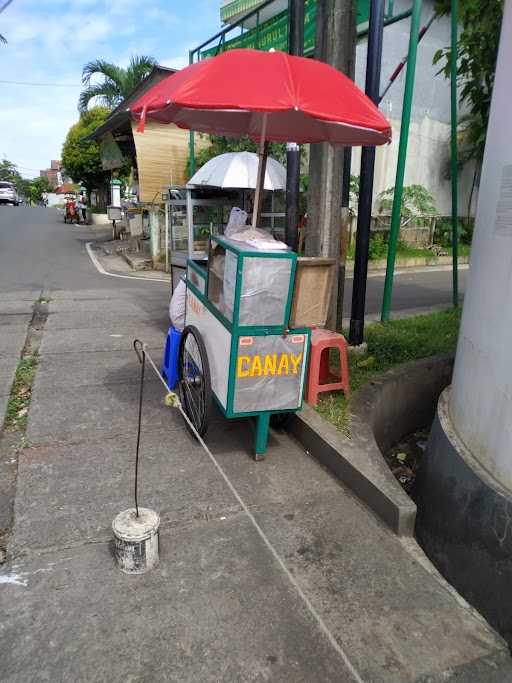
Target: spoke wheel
[194,382]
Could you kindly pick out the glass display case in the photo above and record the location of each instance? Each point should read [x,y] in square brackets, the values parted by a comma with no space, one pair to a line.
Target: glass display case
[250,287]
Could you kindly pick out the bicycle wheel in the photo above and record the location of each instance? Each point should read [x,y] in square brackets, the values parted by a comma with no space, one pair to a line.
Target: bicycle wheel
[195,389]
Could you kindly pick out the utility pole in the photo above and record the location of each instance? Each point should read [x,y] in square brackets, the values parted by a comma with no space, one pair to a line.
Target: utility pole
[295,47]
[335,44]
[396,211]
[364,215]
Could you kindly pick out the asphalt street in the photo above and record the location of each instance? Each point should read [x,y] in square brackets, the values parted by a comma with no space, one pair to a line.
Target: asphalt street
[38,251]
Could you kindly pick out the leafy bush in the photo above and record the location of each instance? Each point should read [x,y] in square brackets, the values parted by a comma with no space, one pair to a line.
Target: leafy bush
[378,247]
[416,201]
[443,231]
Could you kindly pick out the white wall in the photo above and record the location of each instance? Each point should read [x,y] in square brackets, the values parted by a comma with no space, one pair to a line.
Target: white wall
[481,398]
[428,160]
[429,136]
[54,199]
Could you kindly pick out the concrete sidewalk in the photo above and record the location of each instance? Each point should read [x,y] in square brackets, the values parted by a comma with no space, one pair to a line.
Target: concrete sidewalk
[308,586]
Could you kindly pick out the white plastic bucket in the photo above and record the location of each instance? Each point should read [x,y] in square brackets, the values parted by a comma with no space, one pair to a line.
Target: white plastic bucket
[136,540]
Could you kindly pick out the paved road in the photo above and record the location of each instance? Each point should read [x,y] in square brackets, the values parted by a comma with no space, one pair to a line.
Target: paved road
[37,250]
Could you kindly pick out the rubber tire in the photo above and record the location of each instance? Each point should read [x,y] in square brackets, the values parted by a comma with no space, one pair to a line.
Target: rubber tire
[203,427]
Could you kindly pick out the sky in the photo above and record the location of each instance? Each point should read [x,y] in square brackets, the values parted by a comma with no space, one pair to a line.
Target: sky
[49,41]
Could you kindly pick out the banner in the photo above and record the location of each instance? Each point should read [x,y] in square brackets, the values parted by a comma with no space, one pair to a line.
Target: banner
[274,32]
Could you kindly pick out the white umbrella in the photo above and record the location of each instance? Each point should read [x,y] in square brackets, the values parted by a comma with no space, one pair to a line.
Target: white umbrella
[239,170]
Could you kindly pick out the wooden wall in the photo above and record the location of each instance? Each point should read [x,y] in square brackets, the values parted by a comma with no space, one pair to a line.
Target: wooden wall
[162,153]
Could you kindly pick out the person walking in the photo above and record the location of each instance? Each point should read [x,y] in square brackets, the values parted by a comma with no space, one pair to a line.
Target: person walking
[82,206]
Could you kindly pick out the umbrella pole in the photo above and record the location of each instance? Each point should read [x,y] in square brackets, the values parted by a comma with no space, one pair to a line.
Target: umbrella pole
[260,179]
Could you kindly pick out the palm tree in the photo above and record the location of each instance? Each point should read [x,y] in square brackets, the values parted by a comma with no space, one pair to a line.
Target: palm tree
[117,82]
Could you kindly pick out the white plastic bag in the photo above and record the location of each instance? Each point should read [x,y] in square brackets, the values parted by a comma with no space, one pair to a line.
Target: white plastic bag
[236,223]
[177,306]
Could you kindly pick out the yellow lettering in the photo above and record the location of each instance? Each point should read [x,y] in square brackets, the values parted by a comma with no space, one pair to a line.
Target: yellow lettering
[283,365]
[296,360]
[240,370]
[270,364]
[256,366]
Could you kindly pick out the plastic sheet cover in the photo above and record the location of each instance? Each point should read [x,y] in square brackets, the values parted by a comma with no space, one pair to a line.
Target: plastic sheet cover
[269,372]
[265,287]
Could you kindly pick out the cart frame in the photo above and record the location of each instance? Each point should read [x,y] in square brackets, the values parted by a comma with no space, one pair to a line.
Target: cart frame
[226,336]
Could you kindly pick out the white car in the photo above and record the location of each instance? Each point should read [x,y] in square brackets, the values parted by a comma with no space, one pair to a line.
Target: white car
[8,193]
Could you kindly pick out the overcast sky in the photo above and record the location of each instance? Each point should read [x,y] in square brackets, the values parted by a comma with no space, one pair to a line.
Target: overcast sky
[50,40]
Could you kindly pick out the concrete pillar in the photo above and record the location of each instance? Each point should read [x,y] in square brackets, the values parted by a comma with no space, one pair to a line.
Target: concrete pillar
[154,226]
[335,45]
[481,396]
[464,485]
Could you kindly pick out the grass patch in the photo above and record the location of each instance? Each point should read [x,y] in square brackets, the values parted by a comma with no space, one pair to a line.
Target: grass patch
[21,392]
[463,250]
[389,345]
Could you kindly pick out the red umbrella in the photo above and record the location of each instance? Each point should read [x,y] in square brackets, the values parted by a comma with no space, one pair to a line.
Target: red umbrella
[268,96]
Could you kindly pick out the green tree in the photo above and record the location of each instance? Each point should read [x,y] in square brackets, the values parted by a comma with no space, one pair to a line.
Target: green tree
[36,188]
[82,158]
[416,202]
[117,82]
[477,52]
[9,172]
[221,145]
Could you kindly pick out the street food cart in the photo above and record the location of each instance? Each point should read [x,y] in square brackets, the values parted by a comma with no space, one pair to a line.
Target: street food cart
[236,346]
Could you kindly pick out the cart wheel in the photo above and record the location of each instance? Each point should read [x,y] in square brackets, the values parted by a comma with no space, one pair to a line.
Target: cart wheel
[194,382]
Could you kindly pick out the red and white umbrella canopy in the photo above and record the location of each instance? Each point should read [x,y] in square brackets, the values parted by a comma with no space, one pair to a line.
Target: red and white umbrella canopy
[250,92]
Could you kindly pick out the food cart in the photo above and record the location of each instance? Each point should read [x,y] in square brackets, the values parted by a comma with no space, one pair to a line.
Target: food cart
[236,347]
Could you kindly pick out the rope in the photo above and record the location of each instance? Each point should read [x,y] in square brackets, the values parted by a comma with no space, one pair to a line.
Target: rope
[173,400]
[136,343]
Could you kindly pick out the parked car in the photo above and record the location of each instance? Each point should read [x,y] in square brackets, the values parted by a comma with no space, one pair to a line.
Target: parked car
[8,193]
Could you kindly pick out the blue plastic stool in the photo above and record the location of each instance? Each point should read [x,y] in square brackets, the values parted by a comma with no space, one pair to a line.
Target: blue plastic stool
[170,362]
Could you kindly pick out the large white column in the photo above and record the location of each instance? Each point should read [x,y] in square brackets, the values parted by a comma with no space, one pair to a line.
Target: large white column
[481,397]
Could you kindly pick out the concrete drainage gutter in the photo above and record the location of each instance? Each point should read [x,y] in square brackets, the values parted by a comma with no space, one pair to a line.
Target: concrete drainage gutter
[386,409]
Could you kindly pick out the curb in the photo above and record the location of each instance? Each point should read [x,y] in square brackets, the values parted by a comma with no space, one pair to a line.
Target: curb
[385,410]
[380,265]
[139,278]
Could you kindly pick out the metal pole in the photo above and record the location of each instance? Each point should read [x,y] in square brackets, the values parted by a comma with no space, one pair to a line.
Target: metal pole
[167,209]
[402,155]
[399,68]
[191,145]
[455,211]
[373,64]
[295,47]
[345,218]
[345,188]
